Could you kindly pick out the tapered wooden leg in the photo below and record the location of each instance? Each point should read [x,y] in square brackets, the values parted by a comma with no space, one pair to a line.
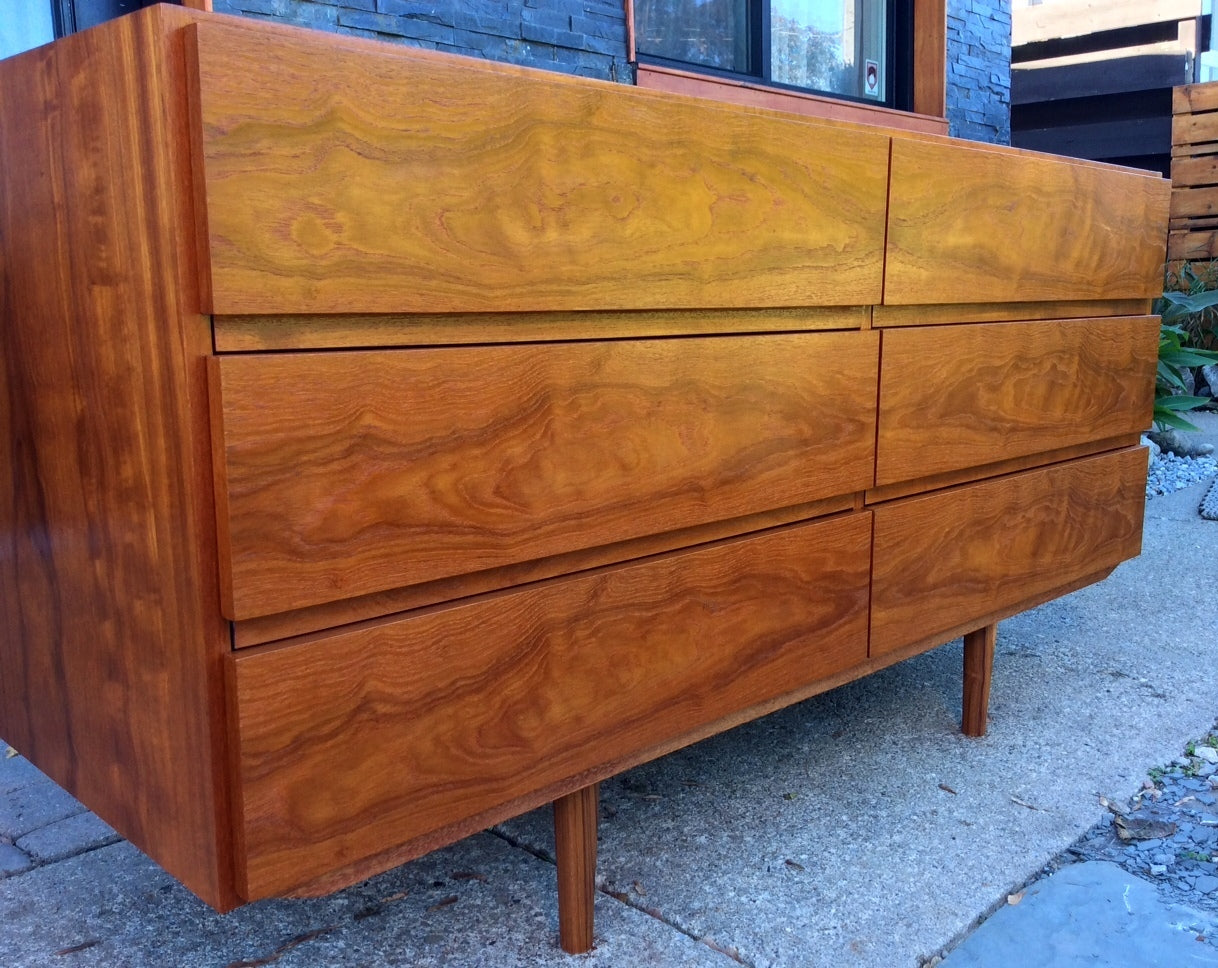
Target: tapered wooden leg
[978,670]
[575,846]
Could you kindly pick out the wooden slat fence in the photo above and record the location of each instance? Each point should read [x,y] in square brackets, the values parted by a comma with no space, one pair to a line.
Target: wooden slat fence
[1193,229]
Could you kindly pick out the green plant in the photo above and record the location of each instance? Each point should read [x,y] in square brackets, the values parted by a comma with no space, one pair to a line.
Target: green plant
[1172,396]
[1200,322]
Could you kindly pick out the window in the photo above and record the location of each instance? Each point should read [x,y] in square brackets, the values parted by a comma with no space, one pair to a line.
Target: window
[77,15]
[30,23]
[23,26]
[843,48]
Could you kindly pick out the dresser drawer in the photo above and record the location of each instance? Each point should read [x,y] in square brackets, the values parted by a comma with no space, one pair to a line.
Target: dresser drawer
[974,553]
[341,474]
[369,739]
[413,183]
[973,224]
[953,397]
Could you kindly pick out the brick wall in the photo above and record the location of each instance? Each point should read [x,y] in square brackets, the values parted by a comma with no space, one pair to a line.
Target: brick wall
[979,69]
[586,37]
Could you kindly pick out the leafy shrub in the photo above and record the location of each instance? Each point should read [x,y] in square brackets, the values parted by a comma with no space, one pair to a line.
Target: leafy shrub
[1194,279]
[1180,312]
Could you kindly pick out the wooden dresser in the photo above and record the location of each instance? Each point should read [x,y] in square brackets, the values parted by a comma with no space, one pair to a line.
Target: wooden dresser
[395,442]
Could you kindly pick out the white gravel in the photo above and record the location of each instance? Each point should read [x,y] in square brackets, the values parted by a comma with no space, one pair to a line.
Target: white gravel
[1171,473]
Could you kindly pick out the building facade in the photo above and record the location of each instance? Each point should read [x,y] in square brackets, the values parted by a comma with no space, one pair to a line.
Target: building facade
[595,38]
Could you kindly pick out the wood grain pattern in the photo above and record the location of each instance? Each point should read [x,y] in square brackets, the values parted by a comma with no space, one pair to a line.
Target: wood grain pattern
[407,183]
[930,57]
[363,741]
[954,397]
[956,556]
[417,466]
[939,315]
[1192,245]
[283,625]
[111,644]
[970,225]
[575,857]
[1194,150]
[393,856]
[261,333]
[1194,172]
[731,90]
[977,472]
[1188,98]
[1202,170]
[1195,130]
[1190,203]
[978,674]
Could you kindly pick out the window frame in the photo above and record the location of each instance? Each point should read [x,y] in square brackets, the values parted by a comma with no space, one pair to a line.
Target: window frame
[924,76]
[64,19]
[760,19]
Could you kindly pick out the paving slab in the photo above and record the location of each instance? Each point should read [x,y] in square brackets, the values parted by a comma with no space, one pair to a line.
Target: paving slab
[16,771]
[477,903]
[30,806]
[13,860]
[1092,913]
[67,837]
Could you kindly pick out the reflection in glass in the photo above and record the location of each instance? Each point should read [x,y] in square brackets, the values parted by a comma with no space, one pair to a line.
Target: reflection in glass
[713,33]
[837,46]
[24,25]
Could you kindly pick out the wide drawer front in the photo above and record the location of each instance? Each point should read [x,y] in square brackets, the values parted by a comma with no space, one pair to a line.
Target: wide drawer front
[355,744]
[947,559]
[962,396]
[987,225]
[412,182]
[341,474]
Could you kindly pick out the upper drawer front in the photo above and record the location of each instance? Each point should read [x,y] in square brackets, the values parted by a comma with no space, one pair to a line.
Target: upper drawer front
[981,225]
[962,396]
[342,179]
[341,474]
[961,555]
[370,739]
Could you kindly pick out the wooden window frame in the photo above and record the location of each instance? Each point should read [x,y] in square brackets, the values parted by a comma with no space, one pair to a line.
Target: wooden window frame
[929,89]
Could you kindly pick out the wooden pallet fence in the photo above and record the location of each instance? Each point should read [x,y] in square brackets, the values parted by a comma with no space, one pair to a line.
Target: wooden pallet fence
[1193,227]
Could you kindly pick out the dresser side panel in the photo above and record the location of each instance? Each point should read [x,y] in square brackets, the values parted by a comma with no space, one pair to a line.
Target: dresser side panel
[111,641]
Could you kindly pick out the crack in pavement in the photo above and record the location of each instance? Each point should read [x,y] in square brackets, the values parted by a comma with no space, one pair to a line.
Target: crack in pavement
[623,898]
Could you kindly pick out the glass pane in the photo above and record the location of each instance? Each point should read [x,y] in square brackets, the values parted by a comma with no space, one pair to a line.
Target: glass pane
[714,33]
[838,46]
[24,25]
[90,13]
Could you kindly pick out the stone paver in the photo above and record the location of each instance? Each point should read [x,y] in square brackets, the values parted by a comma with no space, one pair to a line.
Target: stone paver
[1092,913]
[16,771]
[34,805]
[113,907]
[64,838]
[13,860]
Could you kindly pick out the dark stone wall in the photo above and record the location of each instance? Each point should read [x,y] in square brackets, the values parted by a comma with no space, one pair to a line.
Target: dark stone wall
[588,37]
[979,69]
[585,37]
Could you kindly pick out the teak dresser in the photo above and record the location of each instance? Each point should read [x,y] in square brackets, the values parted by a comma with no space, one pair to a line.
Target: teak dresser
[394,443]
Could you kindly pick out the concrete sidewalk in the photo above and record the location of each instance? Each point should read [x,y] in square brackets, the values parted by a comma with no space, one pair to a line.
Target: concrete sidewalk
[858,829]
